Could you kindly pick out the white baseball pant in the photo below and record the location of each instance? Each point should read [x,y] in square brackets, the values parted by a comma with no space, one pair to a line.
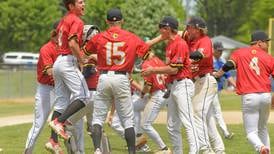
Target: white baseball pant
[152,109]
[115,87]
[44,100]
[256,108]
[70,84]
[138,106]
[180,112]
[205,91]
[219,116]
[76,121]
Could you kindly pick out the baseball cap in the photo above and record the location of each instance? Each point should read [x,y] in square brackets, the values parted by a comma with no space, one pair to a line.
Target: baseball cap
[114,14]
[196,22]
[169,21]
[259,36]
[218,46]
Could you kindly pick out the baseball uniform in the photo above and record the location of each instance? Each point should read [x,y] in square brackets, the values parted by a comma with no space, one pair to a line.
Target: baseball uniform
[218,64]
[180,109]
[70,84]
[116,51]
[44,94]
[254,67]
[156,101]
[205,91]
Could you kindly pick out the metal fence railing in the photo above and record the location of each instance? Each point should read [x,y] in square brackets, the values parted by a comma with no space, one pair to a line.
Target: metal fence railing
[17,81]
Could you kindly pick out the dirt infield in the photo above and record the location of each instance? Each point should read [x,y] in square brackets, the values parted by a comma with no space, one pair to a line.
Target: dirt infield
[231,117]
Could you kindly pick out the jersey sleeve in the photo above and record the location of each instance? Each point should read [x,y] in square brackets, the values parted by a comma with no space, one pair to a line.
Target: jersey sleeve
[76,30]
[91,46]
[178,55]
[205,47]
[142,48]
[46,59]
[234,58]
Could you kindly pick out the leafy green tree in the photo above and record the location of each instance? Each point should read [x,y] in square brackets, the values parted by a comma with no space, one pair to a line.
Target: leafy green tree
[258,18]
[224,17]
[96,11]
[26,24]
[142,18]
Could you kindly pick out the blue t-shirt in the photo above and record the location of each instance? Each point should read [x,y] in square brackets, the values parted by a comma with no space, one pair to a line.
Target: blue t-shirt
[218,64]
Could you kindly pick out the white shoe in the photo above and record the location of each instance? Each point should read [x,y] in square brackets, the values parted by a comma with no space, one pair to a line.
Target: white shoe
[97,151]
[168,151]
[229,136]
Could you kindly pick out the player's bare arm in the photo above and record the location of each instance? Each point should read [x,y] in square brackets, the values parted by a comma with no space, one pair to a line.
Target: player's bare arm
[160,70]
[155,40]
[75,48]
[136,85]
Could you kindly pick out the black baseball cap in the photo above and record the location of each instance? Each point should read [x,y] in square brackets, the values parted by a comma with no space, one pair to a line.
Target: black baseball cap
[218,46]
[259,36]
[114,14]
[197,22]
[169,21]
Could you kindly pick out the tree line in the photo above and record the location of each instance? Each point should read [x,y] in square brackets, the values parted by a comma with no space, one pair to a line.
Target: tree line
[25,25]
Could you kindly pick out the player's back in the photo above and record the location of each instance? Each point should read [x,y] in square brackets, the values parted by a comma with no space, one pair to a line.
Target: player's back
[254,67]
[117,49]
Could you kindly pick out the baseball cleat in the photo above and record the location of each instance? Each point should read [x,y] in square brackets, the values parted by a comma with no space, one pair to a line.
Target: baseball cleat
[53,147]
[264,150]
[229,136]
[97,151]
[140,141]
[144,148]
[168,151]
[58,127]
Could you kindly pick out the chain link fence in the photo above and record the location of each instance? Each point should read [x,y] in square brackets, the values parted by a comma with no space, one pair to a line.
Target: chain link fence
[17,81]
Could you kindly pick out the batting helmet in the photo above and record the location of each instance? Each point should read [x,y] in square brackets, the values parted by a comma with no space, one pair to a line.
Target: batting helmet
[89,31]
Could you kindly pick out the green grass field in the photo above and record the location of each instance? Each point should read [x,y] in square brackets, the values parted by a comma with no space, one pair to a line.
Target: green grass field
[13,140]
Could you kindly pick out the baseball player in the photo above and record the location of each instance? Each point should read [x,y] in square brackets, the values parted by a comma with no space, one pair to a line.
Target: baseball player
[218,63]
[201,55]
[116,50]
[254,67]
[179,102]
[155,86]
[74,124]
[71,89]
[44,95]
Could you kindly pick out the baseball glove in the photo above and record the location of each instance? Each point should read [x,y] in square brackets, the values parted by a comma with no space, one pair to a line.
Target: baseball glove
[88,70]
[89,31]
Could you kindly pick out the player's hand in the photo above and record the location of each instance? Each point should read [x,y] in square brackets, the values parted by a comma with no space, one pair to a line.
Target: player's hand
[147,71]
[218,74]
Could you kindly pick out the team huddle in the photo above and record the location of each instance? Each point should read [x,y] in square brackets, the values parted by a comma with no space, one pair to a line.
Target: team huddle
[85,72]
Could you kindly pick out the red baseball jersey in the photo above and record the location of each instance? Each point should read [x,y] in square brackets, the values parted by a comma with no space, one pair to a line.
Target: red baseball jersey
[92,80]
[116,49]
[177,55]
[46,59]
[254,67]
[156,81]
[205,65]
[70,26]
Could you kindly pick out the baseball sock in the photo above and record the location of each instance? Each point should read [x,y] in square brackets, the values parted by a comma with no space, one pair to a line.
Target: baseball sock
[130,138]
[96,135]
[54,136]
[71,109]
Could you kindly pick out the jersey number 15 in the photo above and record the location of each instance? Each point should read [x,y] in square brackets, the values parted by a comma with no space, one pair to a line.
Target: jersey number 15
[114,55]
